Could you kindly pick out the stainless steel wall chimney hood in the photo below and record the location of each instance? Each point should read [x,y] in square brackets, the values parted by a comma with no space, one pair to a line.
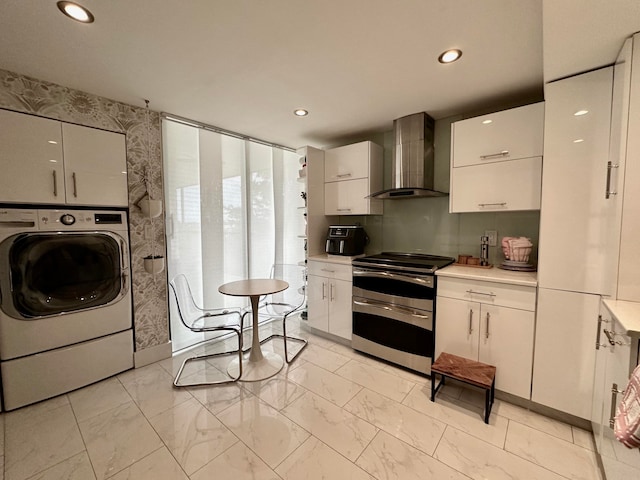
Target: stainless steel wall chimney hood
[412,168]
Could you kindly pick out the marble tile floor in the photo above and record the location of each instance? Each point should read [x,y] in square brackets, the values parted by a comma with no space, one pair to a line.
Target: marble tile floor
[332,414]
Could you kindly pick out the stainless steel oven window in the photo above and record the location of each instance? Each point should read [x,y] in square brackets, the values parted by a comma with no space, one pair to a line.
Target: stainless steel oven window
[409,289]
[57,273]
[394,326]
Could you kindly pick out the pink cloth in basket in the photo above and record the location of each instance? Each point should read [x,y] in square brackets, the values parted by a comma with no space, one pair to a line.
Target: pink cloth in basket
[627,421]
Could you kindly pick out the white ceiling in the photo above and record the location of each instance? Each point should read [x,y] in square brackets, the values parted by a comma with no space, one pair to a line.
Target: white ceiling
[245,65]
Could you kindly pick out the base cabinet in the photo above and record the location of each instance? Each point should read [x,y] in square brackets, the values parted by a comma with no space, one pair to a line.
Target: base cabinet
[479,329]
[329,298]
[616,356]
[564,356]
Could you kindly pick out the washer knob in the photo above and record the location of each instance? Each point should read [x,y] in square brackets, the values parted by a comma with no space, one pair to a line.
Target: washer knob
[67,219]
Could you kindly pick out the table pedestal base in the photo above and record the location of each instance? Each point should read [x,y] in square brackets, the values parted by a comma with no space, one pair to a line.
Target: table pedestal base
[270,364]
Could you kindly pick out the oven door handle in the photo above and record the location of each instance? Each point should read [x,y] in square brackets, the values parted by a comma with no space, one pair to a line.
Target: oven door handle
[422,281]
[389,307]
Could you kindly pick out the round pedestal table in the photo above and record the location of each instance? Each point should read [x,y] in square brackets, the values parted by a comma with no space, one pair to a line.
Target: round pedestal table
[259,365]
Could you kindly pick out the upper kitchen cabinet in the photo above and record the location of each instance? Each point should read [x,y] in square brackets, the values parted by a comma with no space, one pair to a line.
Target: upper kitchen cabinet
[496,162]
[31,159]
[49,162]
[576,218]
[351,174]
[95,164]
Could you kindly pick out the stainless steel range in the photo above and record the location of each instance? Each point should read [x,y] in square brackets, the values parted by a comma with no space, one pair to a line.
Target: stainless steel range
[393,307]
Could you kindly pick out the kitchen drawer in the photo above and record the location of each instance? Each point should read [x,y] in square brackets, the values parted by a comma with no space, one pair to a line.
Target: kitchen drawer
[491,293]
[330,270]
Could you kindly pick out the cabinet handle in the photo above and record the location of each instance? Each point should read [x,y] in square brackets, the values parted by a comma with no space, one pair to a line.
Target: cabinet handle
[500,204]
[470,321]
[343,175]
[608,191]
[75,187]
[473,292]
[331,287]
[503,153]
[614,400]
[344,209]
[327,270]
[324,290]
[55,184]
[486,333]
[598,333]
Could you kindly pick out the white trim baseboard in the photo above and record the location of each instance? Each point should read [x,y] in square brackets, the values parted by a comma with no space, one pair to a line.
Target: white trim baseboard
[151,355]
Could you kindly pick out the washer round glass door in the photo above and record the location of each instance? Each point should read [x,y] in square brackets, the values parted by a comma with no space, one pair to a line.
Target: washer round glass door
[56,273]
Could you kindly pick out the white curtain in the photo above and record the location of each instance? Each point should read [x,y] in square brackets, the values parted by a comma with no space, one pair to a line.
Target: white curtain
[233,209]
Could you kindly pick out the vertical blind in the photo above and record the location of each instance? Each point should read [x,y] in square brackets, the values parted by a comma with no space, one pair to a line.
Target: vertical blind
[233,210]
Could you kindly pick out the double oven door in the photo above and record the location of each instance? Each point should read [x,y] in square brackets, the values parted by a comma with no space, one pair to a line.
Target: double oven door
[393,316]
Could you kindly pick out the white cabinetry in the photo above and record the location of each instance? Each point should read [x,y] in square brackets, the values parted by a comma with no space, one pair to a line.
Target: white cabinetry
[495,161]
[616,356]
[352,173]
[489,322]
[329,297]
[576,218]
[95,164]
[564,357]
[47,161]
[577,247]
[31,159]
[628,281]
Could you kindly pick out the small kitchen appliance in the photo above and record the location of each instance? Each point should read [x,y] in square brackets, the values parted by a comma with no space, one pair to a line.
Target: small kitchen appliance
[347,240]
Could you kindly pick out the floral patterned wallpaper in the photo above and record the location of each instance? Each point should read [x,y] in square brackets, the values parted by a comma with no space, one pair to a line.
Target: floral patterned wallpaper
[26,94]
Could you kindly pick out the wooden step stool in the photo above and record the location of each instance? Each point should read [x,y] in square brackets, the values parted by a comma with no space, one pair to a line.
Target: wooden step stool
[466,371]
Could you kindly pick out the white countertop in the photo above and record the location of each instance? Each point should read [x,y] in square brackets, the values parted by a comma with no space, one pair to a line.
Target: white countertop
[627,313]
[494,274]
[343,259]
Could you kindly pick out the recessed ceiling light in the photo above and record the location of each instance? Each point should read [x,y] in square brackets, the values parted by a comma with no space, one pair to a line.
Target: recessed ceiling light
[76,12]
[578,140]
[487,122]
[300,112]
[581,112]
[450,56]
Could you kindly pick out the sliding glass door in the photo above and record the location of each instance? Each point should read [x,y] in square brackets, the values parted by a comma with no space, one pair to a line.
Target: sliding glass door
[232,210]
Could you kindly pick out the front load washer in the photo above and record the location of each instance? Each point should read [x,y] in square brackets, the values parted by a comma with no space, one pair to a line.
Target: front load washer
[65,300]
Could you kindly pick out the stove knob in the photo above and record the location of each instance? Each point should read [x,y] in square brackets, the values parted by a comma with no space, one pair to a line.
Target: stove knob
[67,219]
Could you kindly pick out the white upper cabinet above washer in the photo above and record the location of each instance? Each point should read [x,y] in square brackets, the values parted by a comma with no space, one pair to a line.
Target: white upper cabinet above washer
[507,135]
[95,164]
[46,161]
[30,159]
